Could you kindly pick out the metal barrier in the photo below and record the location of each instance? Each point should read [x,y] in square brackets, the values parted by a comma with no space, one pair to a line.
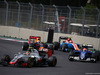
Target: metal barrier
[63,19]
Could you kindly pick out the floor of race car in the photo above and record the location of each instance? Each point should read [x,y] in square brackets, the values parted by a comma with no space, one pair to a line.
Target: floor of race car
[63,67]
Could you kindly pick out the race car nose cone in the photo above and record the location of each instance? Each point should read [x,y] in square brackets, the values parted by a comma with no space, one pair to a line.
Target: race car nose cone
[10,62]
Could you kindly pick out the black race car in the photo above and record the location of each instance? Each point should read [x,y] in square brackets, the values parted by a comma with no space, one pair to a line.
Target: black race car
[37,45]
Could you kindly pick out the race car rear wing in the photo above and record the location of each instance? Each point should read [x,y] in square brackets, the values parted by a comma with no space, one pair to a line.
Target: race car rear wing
[87,45]
[64,38]
[34,37]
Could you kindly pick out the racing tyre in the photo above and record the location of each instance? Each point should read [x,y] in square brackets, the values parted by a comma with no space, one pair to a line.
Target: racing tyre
[45,45]
[5,60]
[52,61]
[97,55]
[19,62]
[93,61]
[63,48]
[30,62]
[93,58]
[25,46]
[56,45]
[71,55]
[31,45]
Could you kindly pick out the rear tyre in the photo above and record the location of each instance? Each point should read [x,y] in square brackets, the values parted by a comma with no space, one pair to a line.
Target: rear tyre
[56,45]
[45,45]
[25,46]
[64,47]
[31,45]
[52,61]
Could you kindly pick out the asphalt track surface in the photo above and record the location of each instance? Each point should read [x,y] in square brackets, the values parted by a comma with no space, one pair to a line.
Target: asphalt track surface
[63,67]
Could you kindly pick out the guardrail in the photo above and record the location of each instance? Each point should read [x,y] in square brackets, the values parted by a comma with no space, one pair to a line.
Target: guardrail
[64,19]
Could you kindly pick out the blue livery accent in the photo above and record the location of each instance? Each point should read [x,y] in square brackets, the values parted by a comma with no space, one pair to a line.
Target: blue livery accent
[82,54]
[70,45]
[66,49]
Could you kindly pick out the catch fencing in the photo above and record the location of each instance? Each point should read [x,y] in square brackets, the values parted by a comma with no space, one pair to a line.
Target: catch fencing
[63,19]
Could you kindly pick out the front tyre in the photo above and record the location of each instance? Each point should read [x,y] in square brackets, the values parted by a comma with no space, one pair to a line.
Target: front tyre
[71,56]
[30,62]
[5,60]
[93,58]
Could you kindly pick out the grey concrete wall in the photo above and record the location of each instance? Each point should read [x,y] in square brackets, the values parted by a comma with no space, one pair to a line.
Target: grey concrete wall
[22,32]
[25,33]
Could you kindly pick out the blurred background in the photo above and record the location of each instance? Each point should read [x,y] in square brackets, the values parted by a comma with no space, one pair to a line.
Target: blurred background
[78,17]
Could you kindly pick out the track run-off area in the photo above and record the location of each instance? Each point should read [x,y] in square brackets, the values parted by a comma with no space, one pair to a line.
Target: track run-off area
[63,67]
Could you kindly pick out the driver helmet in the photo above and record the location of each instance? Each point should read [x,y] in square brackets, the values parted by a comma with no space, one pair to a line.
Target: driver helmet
[68,39]
[84,49]
[37,40]
[71,41]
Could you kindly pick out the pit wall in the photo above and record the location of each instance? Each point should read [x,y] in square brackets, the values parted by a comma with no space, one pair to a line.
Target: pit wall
[25,33]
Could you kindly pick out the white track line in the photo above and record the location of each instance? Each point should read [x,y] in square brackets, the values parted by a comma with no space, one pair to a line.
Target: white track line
[12,40]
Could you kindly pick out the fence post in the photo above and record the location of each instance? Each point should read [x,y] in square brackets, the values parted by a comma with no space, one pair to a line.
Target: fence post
[57,18]
[83,20]
[69,18]
[6,22]
[30,18]
[97,22]
[42,16]
[18,13]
